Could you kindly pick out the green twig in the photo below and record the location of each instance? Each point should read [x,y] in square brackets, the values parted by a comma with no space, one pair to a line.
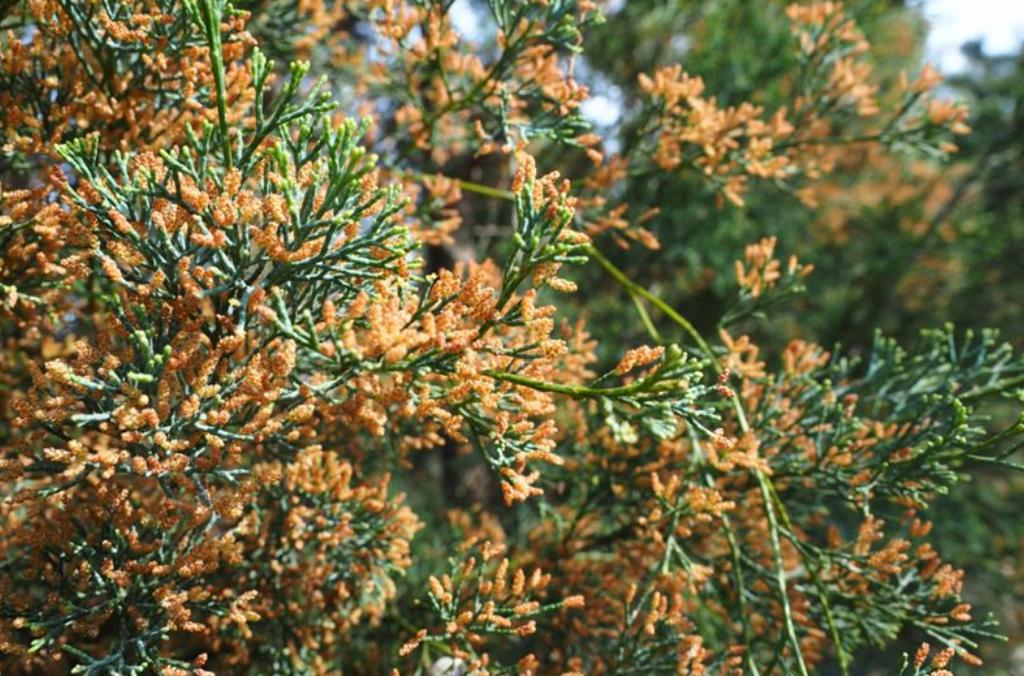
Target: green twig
[478,188]
[995,388]
[575,391]
[815,573]
[211,23]
[637,290]
[780,572]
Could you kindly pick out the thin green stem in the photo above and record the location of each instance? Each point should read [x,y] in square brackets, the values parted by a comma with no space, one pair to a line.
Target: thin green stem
[646,319]
[487,190]
[995,388]
[576,391]
[637,290]
[211,21]
[780,572]
[999,462]
[815,573]
[478,188]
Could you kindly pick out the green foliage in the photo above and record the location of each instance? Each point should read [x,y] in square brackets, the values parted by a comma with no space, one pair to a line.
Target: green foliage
[267,404]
